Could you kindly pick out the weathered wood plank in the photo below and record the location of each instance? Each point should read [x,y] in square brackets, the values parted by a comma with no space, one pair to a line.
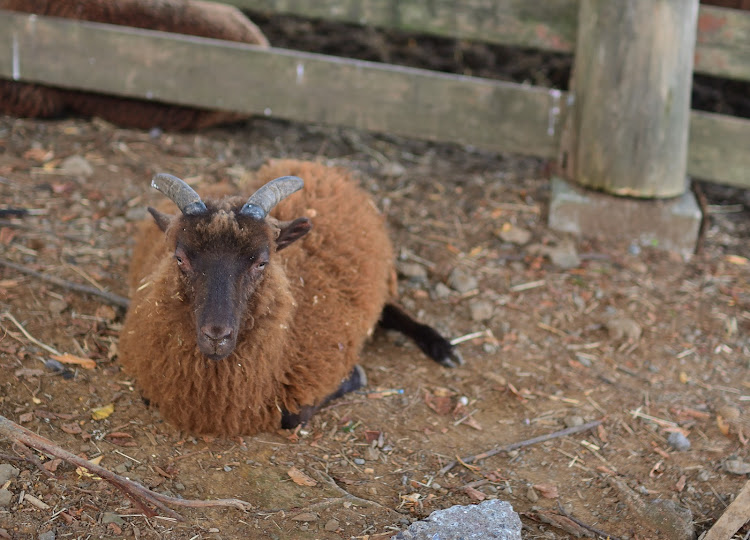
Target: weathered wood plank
[288,84]
[723,47]
[629,128]
[542,24]
[718,149]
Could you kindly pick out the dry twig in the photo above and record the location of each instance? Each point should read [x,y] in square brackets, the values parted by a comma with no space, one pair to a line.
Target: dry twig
[111,298]
[521,444]
[734,517]
[140,495]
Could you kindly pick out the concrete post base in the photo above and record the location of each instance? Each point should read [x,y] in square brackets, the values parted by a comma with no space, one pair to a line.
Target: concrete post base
[670,224]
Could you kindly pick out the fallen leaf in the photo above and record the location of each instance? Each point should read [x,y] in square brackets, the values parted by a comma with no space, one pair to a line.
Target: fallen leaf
[548,491]
[52,465]
[475,493]
[680,485]
[442,405]
[25,418]
[736,259]
[86,363]
[72,429]
[300,478]
[100,413]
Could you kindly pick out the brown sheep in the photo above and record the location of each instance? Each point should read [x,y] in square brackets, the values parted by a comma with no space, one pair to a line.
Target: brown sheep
[227,334]
[205,19]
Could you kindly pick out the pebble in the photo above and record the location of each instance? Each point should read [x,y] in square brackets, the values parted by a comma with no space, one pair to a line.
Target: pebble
[7,471]
[573,421]
[441,291]
[515,235]
[111,517]
[122,468]
[77,166]
[413,271]
[5,498]
[736,466]
[332,525]
[531,495]
[564,256]
[49,535]
[359,461]
[481,310]
[462,281]
[178,486]
[372,454]
[678,441]
[623,327]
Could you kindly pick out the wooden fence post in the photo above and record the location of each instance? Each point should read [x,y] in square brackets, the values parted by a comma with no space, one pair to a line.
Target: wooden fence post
[628,133]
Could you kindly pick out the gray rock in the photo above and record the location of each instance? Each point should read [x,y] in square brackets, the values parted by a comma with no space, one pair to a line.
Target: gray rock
[460,280]
[675,522]
[515,235]
[564,256]
[77,166]
[49,535]
[111,517]
[493,519]
[5,498]
[441,291]
[7,471]
[573,421]
[678,441]
[481,310]
[413,271]
[736,466]
[332,525]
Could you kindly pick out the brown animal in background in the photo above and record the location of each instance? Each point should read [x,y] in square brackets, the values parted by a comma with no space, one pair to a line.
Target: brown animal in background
[236,326]
[205,19]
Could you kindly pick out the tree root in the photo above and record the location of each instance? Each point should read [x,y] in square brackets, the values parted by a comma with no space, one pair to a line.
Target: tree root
[140,495]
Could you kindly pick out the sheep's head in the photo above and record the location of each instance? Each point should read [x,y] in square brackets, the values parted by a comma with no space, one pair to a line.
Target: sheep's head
[222,250]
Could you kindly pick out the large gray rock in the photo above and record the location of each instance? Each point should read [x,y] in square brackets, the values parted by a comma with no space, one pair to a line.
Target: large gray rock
[487,520]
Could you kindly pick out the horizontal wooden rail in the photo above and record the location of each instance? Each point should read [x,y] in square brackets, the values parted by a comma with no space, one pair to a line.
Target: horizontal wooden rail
[300,86]
[306,87]
[722,50]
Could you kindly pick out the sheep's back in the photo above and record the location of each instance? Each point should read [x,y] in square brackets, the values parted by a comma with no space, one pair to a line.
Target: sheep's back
[340,273]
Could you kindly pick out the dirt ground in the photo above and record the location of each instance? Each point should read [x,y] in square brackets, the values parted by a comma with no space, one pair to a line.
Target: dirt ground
[558,331]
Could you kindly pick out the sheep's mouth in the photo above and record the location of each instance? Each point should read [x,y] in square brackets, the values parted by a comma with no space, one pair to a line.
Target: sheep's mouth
[216,350]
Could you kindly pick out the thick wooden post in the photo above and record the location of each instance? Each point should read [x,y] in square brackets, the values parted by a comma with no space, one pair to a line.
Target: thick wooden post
[628,133]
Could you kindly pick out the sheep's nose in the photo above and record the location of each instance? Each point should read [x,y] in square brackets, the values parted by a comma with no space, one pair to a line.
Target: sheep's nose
[216,333]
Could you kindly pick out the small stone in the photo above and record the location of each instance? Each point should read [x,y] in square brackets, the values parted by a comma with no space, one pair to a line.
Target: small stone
[481,310]
[704,476]
[227,468]
[678,441]
[736,466]
[111,517]
[460,280]
[531,495]
[413,271]
[515,235]
[5,498]
[178,486]
[57,306]
[332,525]
[623,327]
[372,454]
[436,486]
[122,468]
[564,256]
[573,421]
[77,166]
[7,471]
[393,169]
[49,535]
[441,291]
[359,461]
[213,530]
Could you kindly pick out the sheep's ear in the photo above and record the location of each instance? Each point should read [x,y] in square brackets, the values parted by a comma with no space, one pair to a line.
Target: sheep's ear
[290,231]
[162,220]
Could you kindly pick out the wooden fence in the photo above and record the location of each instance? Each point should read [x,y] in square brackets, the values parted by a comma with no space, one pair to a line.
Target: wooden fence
[489,114]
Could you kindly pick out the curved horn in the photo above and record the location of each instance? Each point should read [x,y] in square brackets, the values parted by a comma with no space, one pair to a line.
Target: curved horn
[262,201]
[185,197]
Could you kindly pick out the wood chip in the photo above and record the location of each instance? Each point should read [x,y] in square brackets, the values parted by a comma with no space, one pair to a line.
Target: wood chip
[300,478]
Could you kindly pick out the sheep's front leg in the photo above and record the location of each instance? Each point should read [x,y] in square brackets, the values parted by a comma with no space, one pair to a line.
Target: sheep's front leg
[426,338]
[356,380]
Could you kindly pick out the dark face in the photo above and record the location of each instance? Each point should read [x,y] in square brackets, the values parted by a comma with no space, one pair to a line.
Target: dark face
[220,284]
[222,268]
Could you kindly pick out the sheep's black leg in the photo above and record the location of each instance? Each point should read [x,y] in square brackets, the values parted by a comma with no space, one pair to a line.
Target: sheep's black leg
[356,380]
[432,344]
